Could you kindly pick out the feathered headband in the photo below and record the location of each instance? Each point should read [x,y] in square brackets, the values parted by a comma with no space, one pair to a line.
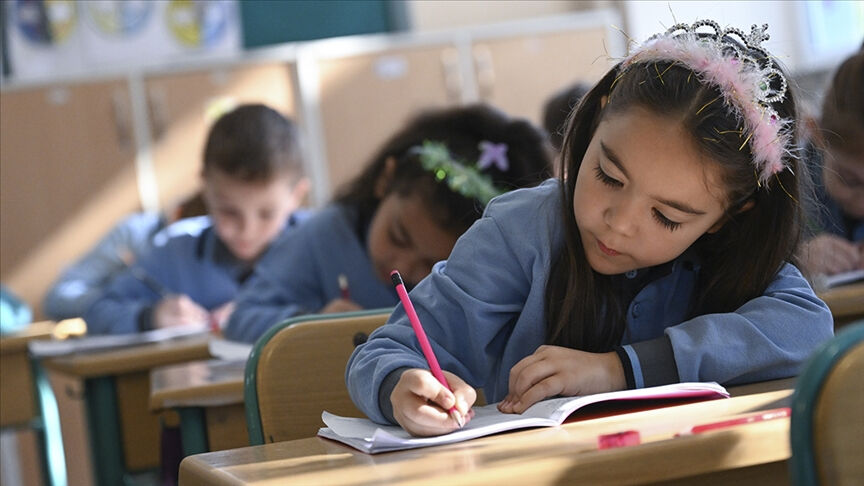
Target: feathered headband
[748,86]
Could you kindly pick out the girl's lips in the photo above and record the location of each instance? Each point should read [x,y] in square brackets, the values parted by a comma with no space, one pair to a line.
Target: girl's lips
[605,249]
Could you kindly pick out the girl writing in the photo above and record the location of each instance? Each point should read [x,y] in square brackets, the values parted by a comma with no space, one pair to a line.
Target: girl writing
[659,255]
[421,191]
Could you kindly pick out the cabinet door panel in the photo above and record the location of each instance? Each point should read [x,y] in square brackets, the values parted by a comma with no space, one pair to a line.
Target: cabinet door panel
[68,175]
[518,74]
[365,99]
[178,106]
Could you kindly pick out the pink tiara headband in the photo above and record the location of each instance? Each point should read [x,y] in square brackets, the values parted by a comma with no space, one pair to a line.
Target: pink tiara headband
[745,83]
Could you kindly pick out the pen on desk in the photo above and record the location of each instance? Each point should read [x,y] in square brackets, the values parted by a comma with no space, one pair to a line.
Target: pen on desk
[142,276]
[127,259]
[747,419]
[343,287]
[434,367]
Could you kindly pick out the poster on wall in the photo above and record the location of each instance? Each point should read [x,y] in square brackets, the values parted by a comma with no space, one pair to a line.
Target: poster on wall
[50,38]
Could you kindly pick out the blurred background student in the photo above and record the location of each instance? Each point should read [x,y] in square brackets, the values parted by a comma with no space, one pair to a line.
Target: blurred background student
[253,182]
[82,282]
[425,186]
[838,245]
[557,110]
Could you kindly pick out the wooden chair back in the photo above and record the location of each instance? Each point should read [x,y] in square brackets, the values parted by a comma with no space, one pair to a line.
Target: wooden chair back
[297,370]
[827,428]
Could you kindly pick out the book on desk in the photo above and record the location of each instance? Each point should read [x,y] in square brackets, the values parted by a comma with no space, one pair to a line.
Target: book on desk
[369,437]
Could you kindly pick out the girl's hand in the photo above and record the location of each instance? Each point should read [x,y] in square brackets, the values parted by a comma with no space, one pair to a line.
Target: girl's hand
[829,254]
[176,310]
[340,305]
[555,370]
[421,402]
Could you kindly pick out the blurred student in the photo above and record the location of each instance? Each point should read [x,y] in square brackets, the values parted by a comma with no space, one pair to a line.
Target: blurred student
[839,243]
[421,191]
[253,181]
[557,110]
[14,313]
[82,282]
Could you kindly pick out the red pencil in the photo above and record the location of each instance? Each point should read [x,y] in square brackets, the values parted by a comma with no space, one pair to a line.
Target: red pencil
[434,367]
[747,419]
[343,287]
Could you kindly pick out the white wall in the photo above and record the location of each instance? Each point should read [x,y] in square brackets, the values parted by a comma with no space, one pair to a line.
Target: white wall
[443,14]
[791,24]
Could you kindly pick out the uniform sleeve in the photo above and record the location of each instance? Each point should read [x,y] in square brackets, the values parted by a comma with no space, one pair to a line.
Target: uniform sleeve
[118,309]
[284,285]
[767,338]
[464,312]
[83,282]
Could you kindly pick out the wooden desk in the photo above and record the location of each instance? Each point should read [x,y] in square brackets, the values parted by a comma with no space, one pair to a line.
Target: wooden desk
[208,395]
[17,399]
[754,453]
[124,434]
[846,303]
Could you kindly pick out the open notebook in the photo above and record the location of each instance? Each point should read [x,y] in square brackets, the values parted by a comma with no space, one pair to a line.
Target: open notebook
[369,437]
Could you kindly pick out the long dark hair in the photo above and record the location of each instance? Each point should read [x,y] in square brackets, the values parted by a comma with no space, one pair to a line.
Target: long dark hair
[461,130]
[740,260]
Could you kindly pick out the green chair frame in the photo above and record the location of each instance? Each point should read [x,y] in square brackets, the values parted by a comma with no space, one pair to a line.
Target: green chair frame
[250,384]
[802,465]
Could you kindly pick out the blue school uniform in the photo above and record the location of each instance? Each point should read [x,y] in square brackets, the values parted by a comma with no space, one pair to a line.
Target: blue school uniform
[186,257]
[301,275]
[83,282]
[483,311]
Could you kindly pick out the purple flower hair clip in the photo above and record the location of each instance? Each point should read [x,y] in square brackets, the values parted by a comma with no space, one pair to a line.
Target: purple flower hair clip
[493,154]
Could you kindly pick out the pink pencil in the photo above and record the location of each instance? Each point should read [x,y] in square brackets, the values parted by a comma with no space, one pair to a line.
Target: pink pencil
[434,367]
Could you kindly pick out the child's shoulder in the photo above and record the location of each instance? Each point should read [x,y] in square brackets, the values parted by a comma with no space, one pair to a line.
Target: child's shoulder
[184,229]
[334,221]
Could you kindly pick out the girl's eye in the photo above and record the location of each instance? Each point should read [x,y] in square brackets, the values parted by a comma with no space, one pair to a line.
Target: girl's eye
[605,179]
[666,222]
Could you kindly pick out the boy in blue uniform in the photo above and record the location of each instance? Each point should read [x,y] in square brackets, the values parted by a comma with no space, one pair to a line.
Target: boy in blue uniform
[253,183]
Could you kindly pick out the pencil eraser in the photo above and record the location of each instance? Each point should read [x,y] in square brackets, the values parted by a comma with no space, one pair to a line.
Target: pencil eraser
[620,439]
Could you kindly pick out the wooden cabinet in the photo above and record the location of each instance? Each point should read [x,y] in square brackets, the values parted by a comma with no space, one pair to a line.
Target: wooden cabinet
[68,174]
[518,74]
[363,99]
[182,106]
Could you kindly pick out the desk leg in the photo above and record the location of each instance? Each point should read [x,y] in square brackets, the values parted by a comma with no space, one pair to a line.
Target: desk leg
[49,430]
[193,430]
[105,437]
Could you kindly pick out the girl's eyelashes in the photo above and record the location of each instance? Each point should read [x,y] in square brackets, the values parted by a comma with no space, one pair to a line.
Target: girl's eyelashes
[666,222]
[658,216]
[605,179]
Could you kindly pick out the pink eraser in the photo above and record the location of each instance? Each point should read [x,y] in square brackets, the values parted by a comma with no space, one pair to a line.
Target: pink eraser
[620,439]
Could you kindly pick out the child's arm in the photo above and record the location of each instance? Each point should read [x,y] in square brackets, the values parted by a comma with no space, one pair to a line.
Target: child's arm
[469,307]
[283,285]
[125,307]
[767,338]
[83,282]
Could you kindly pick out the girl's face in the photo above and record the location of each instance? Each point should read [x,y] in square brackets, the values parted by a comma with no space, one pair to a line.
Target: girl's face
[402,236]
[248,216]
[644,193]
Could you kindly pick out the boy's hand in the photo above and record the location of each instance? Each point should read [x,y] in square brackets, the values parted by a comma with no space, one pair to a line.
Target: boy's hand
[176,310]
[421,403]
[340,305]
[555,370]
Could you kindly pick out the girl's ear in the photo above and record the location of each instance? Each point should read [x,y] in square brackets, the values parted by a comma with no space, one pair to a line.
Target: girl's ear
[603,100]
[382,185]
[719,224]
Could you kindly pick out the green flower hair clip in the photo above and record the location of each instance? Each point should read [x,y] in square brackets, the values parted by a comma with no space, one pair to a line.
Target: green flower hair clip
[461,178]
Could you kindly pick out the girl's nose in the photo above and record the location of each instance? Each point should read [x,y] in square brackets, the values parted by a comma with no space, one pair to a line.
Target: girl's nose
[620,218]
